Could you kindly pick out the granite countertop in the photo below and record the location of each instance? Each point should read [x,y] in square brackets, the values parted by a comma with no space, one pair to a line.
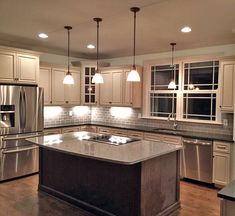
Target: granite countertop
[228,192]
[186,134]
[131,153]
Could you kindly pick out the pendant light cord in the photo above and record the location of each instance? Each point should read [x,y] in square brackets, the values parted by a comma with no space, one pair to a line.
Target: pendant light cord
[68,51]
[97,51]
[134,39]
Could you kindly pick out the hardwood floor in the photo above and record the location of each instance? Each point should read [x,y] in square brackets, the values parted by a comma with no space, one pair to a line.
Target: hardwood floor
[21,198]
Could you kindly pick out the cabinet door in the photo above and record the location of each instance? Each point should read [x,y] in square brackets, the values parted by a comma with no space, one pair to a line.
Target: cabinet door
[106,89]
[117,85]
[127,90]
[227,86]
[45,83]
[27,69]
[57,86]
[221,167]
[7,66]
[72,92]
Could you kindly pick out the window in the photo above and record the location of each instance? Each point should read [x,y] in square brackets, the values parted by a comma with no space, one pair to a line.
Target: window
[195,97]
[200,90]
[89,86]
[162,100]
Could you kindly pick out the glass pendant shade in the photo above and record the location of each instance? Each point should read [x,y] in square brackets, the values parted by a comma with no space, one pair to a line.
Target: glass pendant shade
[68,79]
[133,76]
[97,78]
[172,85]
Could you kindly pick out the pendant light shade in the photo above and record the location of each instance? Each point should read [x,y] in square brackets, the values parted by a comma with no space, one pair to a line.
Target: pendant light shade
[172,84]
[134,76]
[97,78]
[68,79]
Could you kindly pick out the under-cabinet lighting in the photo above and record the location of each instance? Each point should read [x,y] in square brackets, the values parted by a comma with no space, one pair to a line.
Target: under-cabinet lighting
[121,112]
[80,110]
[52,111]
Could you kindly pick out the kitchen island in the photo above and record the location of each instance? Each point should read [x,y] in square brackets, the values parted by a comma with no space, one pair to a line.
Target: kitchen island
[140,178]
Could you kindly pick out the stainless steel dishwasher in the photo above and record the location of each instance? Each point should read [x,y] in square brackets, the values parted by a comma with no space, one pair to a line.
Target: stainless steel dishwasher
[197,160]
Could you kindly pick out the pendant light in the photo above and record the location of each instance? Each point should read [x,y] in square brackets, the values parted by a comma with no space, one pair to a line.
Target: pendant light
[97,78]
[172,84]
[68,79]
[134,76]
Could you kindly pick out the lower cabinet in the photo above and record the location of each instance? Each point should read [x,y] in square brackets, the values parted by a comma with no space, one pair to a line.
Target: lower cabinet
[221,163]
[70,129]
[52,131]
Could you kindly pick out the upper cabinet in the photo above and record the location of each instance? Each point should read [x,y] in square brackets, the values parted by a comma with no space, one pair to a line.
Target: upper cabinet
[89,90]
[116,91]
[18,67]
[227,79]
[55,92]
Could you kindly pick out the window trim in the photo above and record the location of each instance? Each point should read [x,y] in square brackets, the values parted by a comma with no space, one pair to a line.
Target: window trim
[179,104]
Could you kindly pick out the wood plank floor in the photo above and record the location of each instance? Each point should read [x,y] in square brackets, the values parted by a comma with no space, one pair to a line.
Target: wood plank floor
[21,198]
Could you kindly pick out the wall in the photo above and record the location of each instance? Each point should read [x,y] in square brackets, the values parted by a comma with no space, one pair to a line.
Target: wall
[225,50]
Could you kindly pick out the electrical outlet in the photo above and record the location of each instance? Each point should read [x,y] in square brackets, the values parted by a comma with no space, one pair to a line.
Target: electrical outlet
[225,122]
[70,113]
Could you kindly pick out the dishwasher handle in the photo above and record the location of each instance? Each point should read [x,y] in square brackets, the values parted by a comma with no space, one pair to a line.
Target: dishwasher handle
[19,150]
[197,142]
[11,138]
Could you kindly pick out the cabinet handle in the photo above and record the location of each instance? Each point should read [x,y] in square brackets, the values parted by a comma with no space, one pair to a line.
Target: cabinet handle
[110,102]
[66,102]
[221,147]
[50,102]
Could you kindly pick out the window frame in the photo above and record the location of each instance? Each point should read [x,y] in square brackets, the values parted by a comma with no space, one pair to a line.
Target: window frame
[180,92]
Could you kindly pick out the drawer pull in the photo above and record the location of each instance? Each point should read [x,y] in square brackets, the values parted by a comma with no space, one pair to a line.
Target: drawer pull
[221,147]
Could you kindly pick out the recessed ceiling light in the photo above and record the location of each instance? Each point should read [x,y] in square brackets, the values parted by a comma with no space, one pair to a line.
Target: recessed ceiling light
[42,35]
[91,46]
[186,29]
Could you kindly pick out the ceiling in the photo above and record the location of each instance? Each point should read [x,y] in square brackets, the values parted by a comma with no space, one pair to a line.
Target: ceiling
[158,23]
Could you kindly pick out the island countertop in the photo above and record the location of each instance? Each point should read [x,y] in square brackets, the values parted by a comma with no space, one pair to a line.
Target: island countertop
[128,154]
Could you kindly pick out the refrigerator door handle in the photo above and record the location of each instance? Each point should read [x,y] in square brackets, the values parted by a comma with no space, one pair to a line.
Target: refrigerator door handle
[21,137]
[19,150]
[21,110]
[24,109]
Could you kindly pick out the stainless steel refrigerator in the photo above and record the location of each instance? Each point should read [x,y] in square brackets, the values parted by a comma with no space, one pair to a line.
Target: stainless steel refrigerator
[21,117]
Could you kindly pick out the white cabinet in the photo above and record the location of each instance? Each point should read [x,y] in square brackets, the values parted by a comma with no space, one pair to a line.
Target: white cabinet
[45,83]
[221,163]
[55,92]
[7,66]
[57,86]
[27,68]
[18,67]
[116,91]
[227,79]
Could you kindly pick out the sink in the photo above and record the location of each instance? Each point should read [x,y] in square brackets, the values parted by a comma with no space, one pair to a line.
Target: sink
[171,131]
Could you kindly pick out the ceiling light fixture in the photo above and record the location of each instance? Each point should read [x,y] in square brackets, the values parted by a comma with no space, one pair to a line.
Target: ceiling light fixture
[97,78]
[43,35]
[134,76]
[186,29]
[91,46]
[172,84]
[68,79]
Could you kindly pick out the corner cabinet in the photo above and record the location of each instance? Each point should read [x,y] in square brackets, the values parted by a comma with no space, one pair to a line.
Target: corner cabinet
[227,79]
[55,92]
[116,91]
[221,162]
[17,66]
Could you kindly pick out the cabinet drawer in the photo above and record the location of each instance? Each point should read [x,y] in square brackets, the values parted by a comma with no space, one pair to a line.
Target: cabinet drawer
[104,130]
[153,137]
[88,128]
[70,129]
[136,134]
[52,131]
[172,139]
[119,132]
[222,147]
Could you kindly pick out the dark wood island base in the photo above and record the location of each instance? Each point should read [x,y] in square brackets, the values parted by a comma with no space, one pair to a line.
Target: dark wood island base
[147,188]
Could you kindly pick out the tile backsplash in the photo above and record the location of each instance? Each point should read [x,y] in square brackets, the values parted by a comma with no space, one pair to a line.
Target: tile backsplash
[126,116]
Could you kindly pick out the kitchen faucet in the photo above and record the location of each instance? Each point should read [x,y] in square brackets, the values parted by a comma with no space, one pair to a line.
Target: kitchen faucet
[174,119]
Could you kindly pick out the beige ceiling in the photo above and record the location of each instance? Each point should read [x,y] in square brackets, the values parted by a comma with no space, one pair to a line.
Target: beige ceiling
[158,23]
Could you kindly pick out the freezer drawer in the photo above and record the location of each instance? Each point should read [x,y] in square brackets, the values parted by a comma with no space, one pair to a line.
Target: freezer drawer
[18,161]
